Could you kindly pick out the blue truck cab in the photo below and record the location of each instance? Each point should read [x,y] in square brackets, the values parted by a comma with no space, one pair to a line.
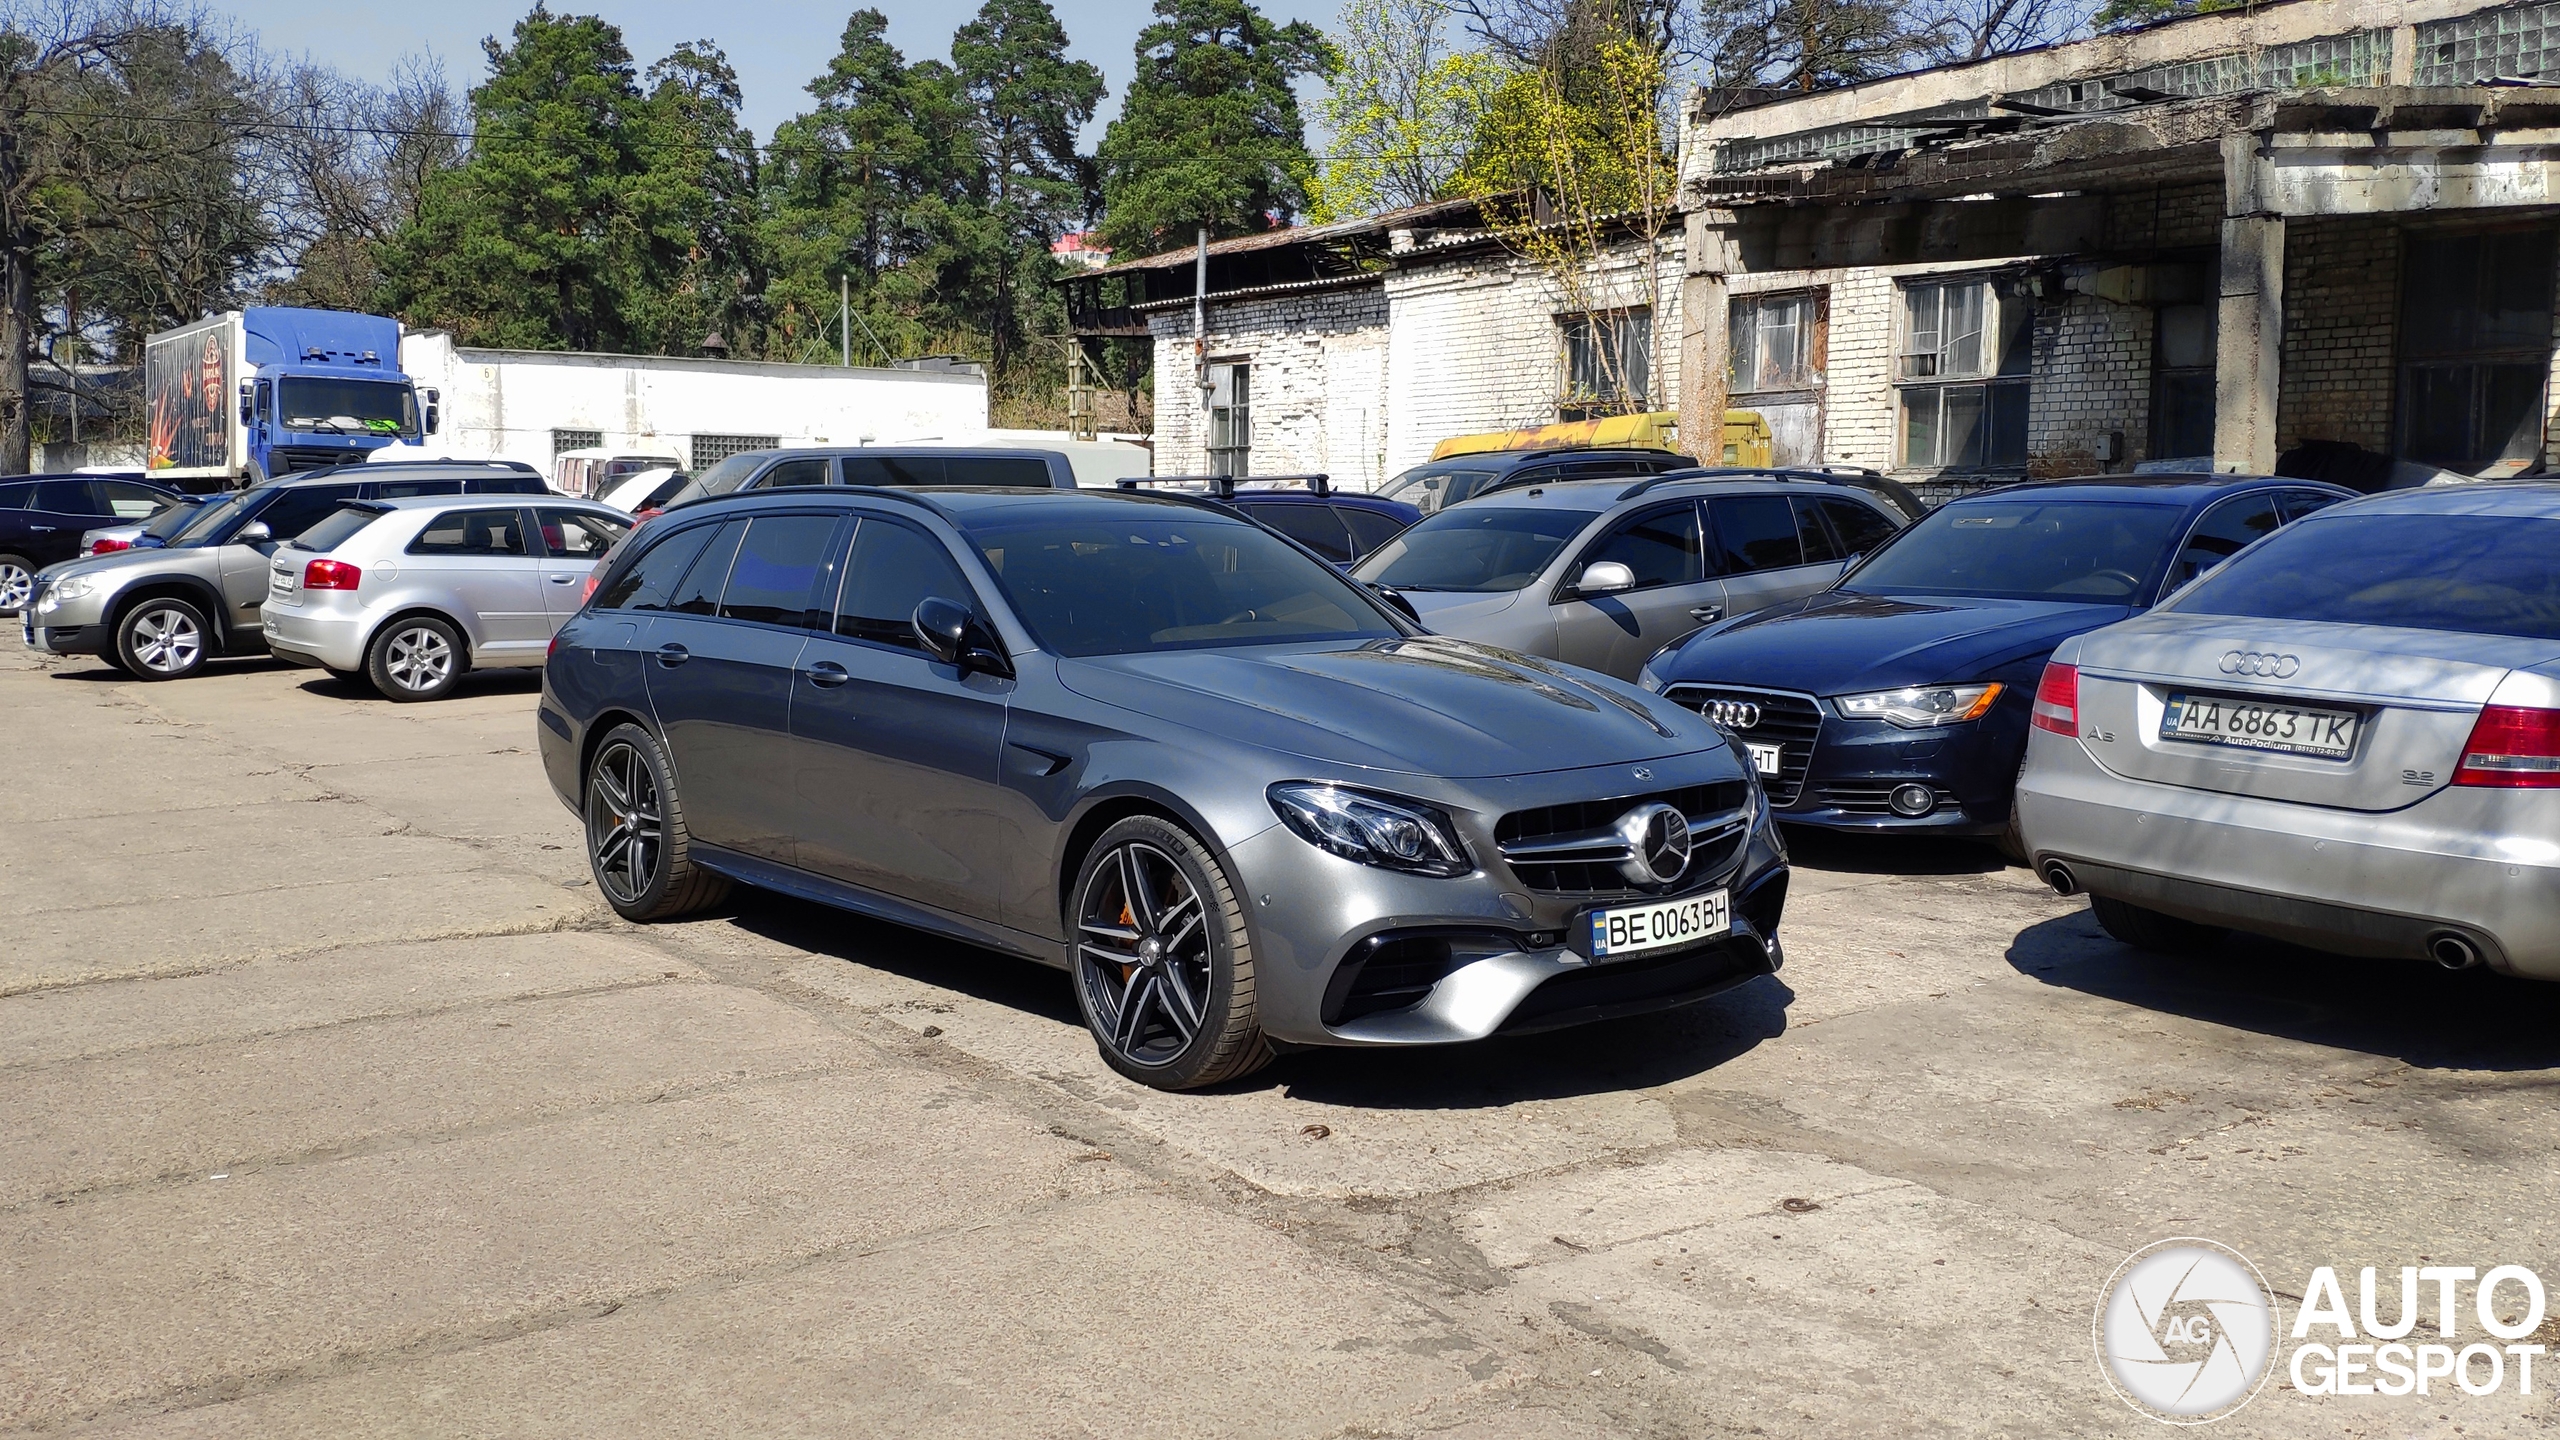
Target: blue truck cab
[252,394]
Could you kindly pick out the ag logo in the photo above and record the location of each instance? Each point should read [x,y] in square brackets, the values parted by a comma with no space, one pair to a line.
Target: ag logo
[2185,1331]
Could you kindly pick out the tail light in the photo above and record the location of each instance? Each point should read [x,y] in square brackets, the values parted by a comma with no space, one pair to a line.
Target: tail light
[2512,747]
[554,647]
[2058,699]
[587,591]
[330,575]
[644,517]
[106,543]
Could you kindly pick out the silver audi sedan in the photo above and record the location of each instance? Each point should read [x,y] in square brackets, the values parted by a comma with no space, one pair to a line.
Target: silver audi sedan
[2346,736]
[412,593]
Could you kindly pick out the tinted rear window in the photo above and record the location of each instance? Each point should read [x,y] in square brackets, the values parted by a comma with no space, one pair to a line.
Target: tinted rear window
[776,566]
[1020,472]
[2474,574]
[645,583]
[334,531]
[15,497]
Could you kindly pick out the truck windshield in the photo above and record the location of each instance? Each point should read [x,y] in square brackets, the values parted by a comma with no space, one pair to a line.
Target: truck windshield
[347,407]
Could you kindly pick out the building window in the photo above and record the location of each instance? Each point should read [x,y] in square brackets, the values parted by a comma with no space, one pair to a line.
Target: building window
[710,450]
[2475,347]
[1608,364]
[1231,418]
[575,440]
[1777,342]
[1962,342]
[2182,383]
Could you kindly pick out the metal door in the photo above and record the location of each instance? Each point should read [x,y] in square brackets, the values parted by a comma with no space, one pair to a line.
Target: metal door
[1616,633]
[720,661]
[895,753]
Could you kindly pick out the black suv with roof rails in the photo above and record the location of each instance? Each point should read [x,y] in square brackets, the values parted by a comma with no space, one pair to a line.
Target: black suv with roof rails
[1436,485]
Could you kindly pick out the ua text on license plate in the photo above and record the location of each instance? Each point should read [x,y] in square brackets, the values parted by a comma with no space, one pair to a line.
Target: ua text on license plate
[2260,725]
[1628,929]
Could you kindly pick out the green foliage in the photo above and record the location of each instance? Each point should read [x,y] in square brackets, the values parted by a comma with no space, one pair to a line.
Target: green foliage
[2133,14]
[575,212]
[1209,133]
[1403,109]
[1027,101]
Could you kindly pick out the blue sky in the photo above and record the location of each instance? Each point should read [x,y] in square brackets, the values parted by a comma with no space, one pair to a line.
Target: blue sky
[777,45]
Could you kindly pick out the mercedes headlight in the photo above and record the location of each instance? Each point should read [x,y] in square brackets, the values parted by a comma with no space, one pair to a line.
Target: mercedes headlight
[1921,707]
[1380,830]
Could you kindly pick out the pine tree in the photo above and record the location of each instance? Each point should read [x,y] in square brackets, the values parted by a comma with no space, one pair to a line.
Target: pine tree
[572,215]
[1029,101]
[1209,133]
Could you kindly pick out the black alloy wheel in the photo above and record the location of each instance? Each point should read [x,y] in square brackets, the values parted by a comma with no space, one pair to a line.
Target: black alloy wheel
[1163,966]
[637,845]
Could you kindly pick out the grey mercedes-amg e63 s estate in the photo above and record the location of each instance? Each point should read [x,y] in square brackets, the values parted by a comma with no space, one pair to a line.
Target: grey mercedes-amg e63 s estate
[1243,800]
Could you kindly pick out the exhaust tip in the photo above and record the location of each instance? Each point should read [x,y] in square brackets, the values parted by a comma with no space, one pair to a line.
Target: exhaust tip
[2452,951]
[2059,876]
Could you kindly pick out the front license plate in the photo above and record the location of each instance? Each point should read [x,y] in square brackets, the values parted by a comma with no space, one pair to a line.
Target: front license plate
[1765,758]
[2258,725]
[1631,929]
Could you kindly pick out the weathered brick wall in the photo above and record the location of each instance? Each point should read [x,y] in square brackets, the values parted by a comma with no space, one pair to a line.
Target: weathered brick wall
[1319,393]
[2341,308]
[2091,376]
[1476,344]
[2166,217]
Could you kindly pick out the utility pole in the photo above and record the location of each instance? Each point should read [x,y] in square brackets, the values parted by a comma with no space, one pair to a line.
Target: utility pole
[1200,335]
[844,316]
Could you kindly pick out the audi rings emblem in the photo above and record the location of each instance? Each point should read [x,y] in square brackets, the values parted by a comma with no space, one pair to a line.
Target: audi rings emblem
[2261,664]
[1657,839]
[1733,714]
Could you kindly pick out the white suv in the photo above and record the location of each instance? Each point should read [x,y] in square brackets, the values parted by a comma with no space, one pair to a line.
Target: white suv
[412,593]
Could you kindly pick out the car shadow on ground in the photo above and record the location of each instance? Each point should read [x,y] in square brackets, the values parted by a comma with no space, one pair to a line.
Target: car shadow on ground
[989,975]
[2408,1010]
[98,671]
[1889,854]
[513,680]
[1630,1054]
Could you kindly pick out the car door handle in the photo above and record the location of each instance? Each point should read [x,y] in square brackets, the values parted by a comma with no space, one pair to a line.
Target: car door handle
[41,529]
[826,673]
[672,655]
[1706,614]
[564,579]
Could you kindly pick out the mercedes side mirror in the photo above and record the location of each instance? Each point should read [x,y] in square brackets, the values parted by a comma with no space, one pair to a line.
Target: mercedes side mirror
[1604,577]
[248,402]
[434,399]
[1395,600]
[953,636]
[256,532]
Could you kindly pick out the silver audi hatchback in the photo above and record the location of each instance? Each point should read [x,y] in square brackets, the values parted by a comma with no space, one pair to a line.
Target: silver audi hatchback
[2347,736]
[410,594]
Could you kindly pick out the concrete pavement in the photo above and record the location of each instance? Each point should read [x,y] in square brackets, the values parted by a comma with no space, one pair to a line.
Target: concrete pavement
[338,1105]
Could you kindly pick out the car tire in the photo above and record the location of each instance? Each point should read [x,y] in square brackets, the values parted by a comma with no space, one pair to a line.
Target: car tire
[1163,966]
[17,583]
[416,657]
[638,848]
[163,638]
[2150,930]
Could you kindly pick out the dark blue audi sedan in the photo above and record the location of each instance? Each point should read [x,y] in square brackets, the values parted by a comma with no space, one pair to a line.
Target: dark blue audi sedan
[1899,698]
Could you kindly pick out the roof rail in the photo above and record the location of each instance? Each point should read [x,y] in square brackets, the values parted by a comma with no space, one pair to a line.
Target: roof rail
[1224,486]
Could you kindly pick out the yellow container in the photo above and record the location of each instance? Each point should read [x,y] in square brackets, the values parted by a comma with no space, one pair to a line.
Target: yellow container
[1746,437]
